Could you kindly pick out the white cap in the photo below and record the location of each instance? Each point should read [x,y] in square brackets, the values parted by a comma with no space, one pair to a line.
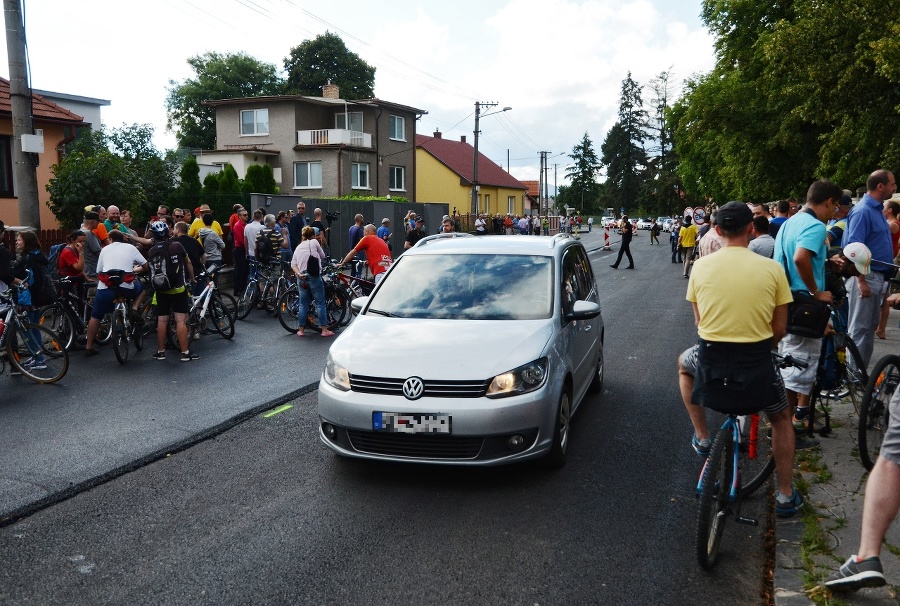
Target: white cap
[861,256]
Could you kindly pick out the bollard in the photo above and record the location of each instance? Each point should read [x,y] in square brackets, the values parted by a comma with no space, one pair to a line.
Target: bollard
[606,238]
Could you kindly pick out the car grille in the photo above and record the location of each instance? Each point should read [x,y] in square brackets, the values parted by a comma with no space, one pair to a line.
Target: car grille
[413,446]
[432,388]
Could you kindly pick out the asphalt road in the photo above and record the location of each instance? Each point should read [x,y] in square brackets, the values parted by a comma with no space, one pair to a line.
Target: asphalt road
[262,513]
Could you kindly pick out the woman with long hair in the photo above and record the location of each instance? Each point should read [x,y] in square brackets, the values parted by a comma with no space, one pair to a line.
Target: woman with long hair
[310,285]
[29,265]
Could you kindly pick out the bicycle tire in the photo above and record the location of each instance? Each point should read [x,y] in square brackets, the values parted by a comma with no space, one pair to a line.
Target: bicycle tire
[230,304]
[137,335]
[120,337]
[248,300]
[856,378]
[105,332]
[754,471]
[221,319]
[713,509]
[286,310]
[347,295]
[59,320]
[874,410]
[57,358]
[337,306]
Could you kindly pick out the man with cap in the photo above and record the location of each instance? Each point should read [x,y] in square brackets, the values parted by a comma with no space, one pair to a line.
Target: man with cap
[740,304]
[100,230]
[416,234]
[800,249]
[198,224]
[92,244]
[384,232]
[838,223]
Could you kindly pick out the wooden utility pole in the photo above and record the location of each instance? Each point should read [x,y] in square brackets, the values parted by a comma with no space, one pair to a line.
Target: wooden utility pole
[24,164]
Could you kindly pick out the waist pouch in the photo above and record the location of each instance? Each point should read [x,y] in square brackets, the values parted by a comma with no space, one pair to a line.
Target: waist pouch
[735,378]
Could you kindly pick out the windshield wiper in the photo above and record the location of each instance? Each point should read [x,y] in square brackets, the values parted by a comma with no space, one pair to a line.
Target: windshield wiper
[386,314]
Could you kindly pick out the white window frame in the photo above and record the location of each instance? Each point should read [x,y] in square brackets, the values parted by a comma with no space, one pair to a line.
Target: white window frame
[398,128]
[310,174]
[510,204]
[393,183]
[340,121]
[358,169]
[256,122]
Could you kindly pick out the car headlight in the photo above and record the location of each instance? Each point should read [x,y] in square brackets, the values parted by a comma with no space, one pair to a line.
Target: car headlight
[520,380]
[336,375]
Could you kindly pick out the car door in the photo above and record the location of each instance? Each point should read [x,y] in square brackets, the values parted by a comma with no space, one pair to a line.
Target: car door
[580,335]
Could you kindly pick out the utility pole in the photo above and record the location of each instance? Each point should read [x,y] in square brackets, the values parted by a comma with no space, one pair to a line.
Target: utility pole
[478,107]
[23,123]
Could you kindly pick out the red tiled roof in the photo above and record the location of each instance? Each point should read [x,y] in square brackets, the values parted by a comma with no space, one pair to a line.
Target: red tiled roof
[43,109]
[459,156]
[533,188]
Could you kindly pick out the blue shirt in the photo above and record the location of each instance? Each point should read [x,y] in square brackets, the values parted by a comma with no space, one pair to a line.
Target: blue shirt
[867,224]
[382,232]
[803,230]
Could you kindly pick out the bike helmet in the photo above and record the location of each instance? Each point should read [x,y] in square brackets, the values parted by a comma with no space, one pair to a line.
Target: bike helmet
[160,230]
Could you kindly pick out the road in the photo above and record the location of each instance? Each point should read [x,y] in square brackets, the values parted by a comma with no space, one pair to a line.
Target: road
[262,513]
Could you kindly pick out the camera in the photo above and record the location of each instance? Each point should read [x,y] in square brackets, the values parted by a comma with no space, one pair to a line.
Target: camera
[332,215]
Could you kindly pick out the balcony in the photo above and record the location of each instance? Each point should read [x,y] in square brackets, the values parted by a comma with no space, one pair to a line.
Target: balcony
[334,136]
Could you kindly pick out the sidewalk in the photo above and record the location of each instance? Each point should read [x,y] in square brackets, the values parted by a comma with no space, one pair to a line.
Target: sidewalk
[811,547]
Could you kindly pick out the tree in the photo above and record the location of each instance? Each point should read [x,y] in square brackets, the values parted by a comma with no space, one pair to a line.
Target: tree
[259,180]
[326,58]
[623,152]
[662,187]
[582,193]
[217,76]
[209,194]
[187,195]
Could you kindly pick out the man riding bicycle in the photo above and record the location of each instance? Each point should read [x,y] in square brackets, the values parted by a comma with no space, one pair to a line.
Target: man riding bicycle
[740,307]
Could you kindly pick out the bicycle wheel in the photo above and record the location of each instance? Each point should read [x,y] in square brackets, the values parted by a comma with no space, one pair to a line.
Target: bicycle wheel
[58,319]
[120,336]
[337,304]
[286,310]
[37,353]
[230,304]
[105,333]
[219,316]
[854,376]
[756,463]
[248,300]
[874,408]
[714,499]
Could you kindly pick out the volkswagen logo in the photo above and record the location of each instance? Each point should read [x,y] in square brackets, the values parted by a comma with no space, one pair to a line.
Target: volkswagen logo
[413,388]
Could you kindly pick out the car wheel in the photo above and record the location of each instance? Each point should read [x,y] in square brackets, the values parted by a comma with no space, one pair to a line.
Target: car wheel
[557,456]
[597,382]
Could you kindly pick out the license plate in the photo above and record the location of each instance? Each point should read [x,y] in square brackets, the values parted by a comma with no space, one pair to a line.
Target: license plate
[396,422]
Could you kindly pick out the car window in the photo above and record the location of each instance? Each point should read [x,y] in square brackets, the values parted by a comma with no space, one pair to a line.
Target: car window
[467,287]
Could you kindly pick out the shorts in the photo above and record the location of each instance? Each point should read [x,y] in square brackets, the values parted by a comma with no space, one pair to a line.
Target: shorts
[800,380]
[104,299]
[689,360]
[167,303]
[890,447]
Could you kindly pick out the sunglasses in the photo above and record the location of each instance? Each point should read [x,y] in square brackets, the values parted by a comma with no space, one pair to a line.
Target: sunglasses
[179,216]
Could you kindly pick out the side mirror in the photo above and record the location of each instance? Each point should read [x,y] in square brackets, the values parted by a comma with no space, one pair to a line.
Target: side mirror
[582,310]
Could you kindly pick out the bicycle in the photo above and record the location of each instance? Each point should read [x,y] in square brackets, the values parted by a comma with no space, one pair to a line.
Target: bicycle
[739,462]
[68,317]
[262,288]
[124,331]
[337,304]
[354,287]
[874,412]
[33,350]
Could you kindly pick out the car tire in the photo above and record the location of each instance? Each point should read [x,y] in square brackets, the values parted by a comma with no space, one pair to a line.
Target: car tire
[556,458]
[596,385]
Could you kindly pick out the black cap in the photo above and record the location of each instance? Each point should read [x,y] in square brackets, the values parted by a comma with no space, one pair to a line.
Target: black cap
[846,200]
[734,215]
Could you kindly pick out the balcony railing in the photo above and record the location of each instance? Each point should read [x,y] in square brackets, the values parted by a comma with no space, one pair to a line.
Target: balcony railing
[334,136]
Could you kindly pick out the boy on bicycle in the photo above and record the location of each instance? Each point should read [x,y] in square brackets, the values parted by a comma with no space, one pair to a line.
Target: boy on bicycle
[740,307]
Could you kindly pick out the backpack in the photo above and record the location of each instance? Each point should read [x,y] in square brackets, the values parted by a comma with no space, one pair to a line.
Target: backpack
[43,292]
[53,260]
[162,272]
[313,267]
[264,250]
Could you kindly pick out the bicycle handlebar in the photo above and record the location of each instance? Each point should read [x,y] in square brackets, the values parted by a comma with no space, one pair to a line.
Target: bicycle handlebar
[788,361]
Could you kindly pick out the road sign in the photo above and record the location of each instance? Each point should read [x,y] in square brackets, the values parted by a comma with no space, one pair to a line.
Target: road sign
[699,216]
[688,212]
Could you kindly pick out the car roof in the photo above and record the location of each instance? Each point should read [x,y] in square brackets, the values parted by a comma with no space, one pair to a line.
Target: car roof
[508,245]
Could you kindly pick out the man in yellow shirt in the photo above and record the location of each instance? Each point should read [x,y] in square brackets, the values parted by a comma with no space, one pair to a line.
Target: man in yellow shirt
[687,239]
[740,304]
[197,224]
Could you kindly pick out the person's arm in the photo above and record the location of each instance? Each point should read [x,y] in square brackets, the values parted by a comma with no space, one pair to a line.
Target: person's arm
[79,264]
[697,313]
[779,323]
[803,263]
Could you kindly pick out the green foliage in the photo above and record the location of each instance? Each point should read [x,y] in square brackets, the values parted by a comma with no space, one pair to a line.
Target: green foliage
[259,180]
[583,191]
[187,195]
[623,152]
[216,76]
[397,199]
[120,167]
[314,62]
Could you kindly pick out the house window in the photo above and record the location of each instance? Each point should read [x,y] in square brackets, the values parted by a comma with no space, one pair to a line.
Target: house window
[359,175]
[487,203]
[254,122]
[307,175]
[356,121]
[511,204]
[397,178]
[398,128]
[6,173]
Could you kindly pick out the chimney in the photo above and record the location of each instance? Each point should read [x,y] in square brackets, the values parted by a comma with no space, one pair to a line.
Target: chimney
[331,91]
[437,134]
[462,139]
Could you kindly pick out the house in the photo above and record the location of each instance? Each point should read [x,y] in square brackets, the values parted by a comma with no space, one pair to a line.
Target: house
[58,126]
[532,196]
[444,171]
[320,146]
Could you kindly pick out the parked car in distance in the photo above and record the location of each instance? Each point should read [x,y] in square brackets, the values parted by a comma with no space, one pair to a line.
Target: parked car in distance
[604,221]
[644,223]
[667,226]
[662,222]
[418,377]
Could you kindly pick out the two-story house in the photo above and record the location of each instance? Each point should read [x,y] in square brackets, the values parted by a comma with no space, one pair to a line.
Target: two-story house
[320,146]
[445,172]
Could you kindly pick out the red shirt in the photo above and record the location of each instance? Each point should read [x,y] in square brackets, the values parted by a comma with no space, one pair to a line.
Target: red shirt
[377,253]
[68,258]
[238,232]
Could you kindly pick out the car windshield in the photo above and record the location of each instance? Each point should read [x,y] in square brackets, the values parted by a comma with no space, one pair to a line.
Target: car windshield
[467,287]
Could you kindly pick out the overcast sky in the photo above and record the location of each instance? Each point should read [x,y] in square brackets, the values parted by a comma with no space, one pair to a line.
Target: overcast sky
[559,64]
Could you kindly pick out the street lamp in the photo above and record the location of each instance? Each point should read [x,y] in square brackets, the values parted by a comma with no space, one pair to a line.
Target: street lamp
[478,107]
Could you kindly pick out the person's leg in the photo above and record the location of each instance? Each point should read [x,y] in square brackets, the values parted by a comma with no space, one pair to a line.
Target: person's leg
[317,286]
[627,250]
[864,314]
[303,306]
[162,325]
[696,413]
[619,258]
[881,505]
[783,449]
[686,259]
[885,310]
[103,299]
[181,331]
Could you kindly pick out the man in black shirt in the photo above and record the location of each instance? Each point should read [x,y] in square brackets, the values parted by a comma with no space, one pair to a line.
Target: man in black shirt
[296,225]
[416,234]
[194,251]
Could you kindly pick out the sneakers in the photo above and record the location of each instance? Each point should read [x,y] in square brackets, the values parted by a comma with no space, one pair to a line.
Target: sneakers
[89,353]
[801,415]
[786,507]
[187,356]
[37,365]
[160,355]
[855,575]
[701,447]
[805,444]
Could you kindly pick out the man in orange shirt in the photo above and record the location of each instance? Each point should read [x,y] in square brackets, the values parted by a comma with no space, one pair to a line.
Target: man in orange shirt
[377,253]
